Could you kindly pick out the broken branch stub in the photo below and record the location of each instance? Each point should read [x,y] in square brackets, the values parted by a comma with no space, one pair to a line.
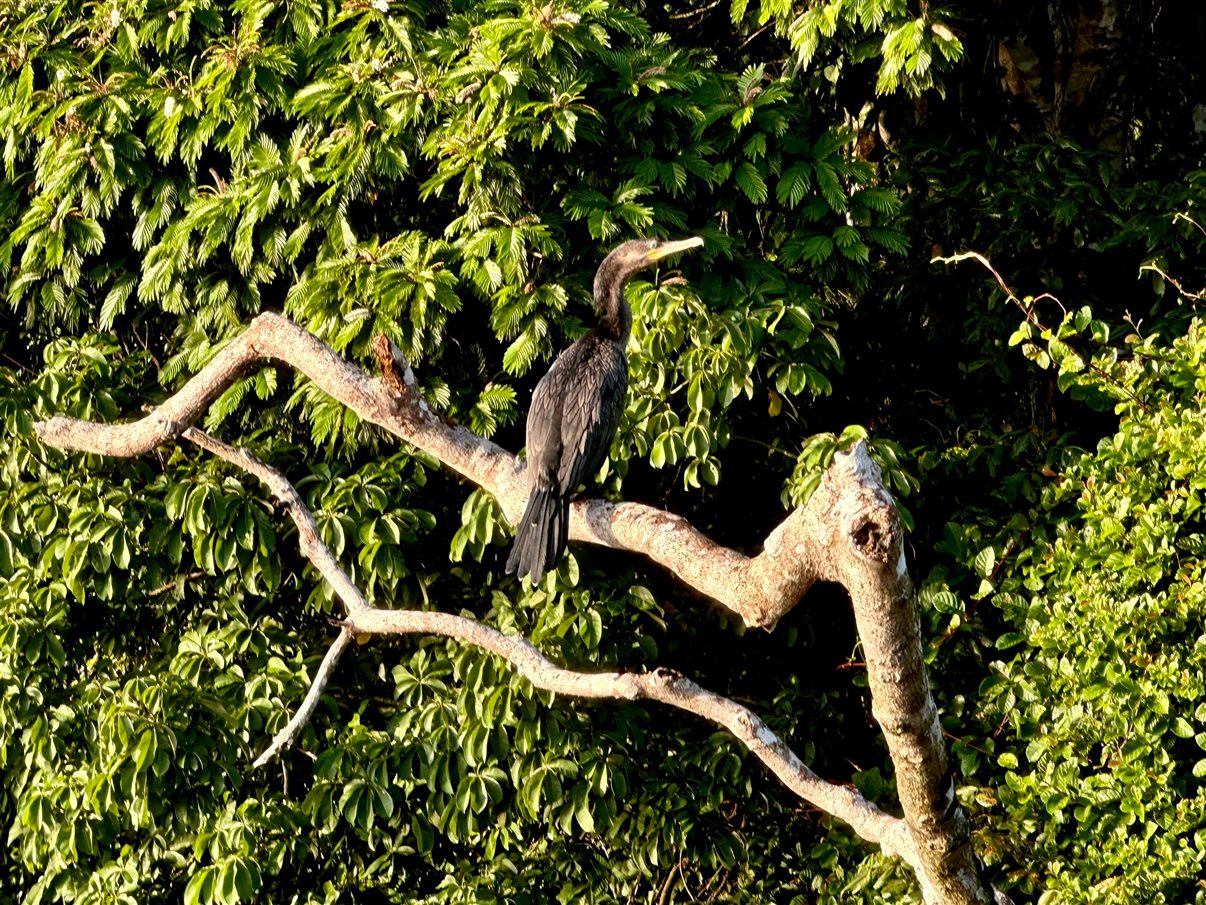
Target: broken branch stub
[875,573]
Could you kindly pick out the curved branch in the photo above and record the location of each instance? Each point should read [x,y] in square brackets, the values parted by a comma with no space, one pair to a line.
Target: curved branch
[297,722]
[760,589]
[668,687]
[848,532]
[663,685]
[308,538]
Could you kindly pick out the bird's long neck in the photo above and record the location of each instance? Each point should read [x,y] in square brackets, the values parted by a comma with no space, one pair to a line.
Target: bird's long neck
[615,317]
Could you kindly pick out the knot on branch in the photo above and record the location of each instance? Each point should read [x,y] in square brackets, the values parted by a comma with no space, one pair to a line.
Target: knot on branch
[393,367]
[875,534]
[757,734]
[399,380]
[666,677]
[169,429]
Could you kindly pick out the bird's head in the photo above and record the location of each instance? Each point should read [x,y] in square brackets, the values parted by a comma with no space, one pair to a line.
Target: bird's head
[634,255]
[637,254]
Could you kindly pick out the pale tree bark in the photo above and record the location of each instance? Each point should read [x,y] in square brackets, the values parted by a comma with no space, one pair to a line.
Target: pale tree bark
[848,532]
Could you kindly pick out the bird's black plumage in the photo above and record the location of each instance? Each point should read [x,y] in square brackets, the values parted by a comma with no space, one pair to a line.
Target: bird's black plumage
[576,408]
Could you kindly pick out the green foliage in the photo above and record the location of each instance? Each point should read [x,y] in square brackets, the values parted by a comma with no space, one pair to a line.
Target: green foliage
[913,48]
[1104,700]
[817,455]
[450,175]
[695,360]
[1076,579]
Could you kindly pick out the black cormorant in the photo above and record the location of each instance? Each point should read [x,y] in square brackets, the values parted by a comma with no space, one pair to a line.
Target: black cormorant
[576,408]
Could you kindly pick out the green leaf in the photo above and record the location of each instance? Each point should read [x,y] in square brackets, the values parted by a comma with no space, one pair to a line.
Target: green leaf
[793,184]
[985,562]
[750,181]
[200,888]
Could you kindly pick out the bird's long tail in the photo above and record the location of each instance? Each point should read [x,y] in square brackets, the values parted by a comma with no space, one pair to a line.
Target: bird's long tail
[541,535]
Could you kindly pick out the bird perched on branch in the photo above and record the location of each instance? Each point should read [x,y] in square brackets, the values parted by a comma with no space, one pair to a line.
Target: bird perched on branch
[576,408]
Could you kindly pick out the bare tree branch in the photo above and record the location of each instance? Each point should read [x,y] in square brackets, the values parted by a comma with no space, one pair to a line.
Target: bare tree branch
[848,532]
[312,546]
[760,589]
[320,556]
[664,685]
[669,687]
[883,598]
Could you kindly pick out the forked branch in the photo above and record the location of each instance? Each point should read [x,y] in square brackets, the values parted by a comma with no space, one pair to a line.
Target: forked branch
[848,532]
[761,589]
[666,686]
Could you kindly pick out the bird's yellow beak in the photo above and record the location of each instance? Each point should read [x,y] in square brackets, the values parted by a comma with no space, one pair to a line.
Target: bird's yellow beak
[668,248]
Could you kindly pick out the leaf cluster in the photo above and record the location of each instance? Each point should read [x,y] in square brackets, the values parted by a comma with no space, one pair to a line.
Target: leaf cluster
[449,175]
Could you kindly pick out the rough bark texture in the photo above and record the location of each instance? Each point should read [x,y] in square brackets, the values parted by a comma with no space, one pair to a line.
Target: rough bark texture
[876,575]
[848,532]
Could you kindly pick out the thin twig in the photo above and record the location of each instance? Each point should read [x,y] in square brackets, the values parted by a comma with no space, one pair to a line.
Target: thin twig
[168,585]
[289,733]
[1154,267]
[955,738]
[1188,219]
[697,11]
[661,685]
[664,892]
[1031,318]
